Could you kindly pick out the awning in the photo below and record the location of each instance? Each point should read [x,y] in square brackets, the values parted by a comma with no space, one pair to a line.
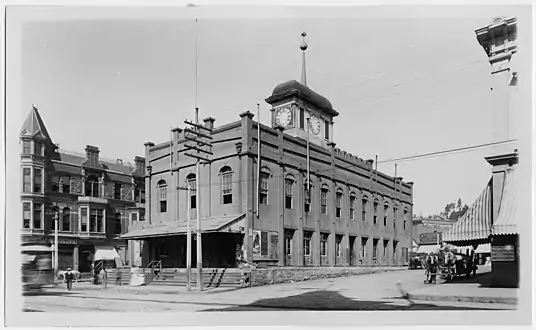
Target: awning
[428,248]
[105,253]
[483,248]
[506,223]
[474,227]
[208,225]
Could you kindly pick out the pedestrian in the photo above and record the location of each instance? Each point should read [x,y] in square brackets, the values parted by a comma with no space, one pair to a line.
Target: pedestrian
[118,277]
[104,277]
[433,268]
[69,277]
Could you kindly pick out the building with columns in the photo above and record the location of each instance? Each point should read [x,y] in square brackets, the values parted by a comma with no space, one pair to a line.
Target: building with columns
[94,199]
[274,207]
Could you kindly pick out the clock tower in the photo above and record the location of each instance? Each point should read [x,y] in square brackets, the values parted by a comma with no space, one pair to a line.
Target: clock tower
[301,111]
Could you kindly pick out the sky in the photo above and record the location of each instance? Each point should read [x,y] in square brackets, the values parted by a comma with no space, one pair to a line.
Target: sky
[405,82]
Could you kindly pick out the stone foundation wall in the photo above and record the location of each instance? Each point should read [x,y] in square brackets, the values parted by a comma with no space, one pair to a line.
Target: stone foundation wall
[296,274]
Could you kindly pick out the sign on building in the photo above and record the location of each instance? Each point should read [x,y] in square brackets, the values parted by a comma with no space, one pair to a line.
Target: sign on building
[430,238]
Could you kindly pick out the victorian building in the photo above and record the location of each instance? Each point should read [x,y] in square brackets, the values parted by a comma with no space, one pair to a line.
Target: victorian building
[301,201]
[94,199]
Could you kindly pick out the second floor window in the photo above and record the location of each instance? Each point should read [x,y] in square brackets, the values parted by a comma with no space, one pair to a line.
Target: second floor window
[26,215]
[375,217]
[162,196]
[263,192]
[338,207]
[96,221]
[92,187]
[226,185]
[324,200]
[289,192]
[307,206]
[364,210]
[352,207]
[83,219]
[66,220]
[37,216]
[38,180]
[26,180]
[385,210]
[26,147]
[192,183]
[117,191]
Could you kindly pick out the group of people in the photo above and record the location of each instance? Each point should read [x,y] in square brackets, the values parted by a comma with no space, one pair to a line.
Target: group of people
[450,263]
[99,277]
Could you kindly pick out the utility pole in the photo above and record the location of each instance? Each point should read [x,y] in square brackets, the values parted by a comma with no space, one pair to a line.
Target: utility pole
[200,138]
[56,247]
[188,242]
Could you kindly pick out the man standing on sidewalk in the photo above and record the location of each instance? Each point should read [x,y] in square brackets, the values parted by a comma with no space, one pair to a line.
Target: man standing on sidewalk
[103,277]
[69,277]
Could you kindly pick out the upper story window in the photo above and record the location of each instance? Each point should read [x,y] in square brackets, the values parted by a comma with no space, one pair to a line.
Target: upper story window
[190,179]
[162,196]
[38,181]
[38,148]
[26,215]
[302,118]
[395,210]
[96,223]
[92,186]
[83,219]
[405,215]
[352,206]
[117,190]
[26,180]
[226,174]
[289,192]
[324,200]
[26,147]
[338,206]
[66,220]
[307,198]
[364,204]
[385,210]
[375,217]
[38,216]
[326,128]
[263,192]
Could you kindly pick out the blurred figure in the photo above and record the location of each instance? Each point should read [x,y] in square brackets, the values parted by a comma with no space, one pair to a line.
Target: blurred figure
[103,277]
[69,278]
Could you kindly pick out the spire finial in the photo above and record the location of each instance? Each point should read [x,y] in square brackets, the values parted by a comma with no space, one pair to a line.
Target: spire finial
[303,47]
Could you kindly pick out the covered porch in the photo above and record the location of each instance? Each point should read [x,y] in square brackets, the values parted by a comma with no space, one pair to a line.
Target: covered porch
[222,242]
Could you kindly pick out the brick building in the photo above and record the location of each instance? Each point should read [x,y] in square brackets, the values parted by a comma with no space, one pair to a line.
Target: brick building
[351,215]
[94,199]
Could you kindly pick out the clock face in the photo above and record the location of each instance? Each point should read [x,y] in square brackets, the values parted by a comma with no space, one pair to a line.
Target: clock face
[283,117]
[315,125]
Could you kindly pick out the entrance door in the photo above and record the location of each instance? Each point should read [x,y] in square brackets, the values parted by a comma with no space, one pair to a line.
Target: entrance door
[289,246]
[351,253]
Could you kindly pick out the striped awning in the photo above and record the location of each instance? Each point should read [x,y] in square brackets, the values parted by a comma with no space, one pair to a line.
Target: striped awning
[483,248]
[507,219]
[474,227]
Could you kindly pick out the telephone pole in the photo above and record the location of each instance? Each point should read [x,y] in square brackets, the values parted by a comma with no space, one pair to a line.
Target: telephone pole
[198,137]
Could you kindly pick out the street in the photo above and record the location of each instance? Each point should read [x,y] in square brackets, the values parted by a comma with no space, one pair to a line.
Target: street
[363,292]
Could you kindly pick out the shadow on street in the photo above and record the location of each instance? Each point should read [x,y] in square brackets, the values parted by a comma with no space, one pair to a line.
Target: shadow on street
[332,300]
[48,293]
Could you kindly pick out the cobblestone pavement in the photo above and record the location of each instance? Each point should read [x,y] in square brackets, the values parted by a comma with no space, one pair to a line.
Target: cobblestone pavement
[364,292]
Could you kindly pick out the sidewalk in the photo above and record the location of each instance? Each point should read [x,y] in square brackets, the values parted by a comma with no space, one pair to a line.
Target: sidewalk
[468,290]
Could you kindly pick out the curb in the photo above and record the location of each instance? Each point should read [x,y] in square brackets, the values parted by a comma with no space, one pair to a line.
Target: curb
[484,300]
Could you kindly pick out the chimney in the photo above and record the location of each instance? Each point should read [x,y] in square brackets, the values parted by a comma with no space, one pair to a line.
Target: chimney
[92,155]
[176,132]
[209,122]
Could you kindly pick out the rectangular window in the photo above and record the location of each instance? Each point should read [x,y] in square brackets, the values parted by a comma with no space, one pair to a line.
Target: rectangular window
[117,191]
[66,220]
[93,221]
[26,180]
[26,215]
[227,188]
[263,193]
[324,201]
[302,118]
[338,208]
[38,177]
[352,207]
[289,184]
[364,210]
[37,216]
[324,244]
[142,215]
[83,219]
[26,147]
[307,236]
[375,248]
[38,146]
[134,216]
[375,217]
[100,221]
[193,193]
[326,123]
[338,245]
[363,247]
[307,206]
[119,223]
[162,197]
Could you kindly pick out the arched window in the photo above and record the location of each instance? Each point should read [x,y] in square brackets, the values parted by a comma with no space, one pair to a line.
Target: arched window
[324,199]
[375,216]
[338,205]
[162,196]
[385,210]
[92,186]
[226,174]
[289,191]
[191,181]
[364,203]
[263,191]
[307,196]
[352,205]
[66,221]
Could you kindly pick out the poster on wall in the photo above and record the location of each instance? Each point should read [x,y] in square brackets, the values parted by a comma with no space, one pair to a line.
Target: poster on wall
[256,243]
